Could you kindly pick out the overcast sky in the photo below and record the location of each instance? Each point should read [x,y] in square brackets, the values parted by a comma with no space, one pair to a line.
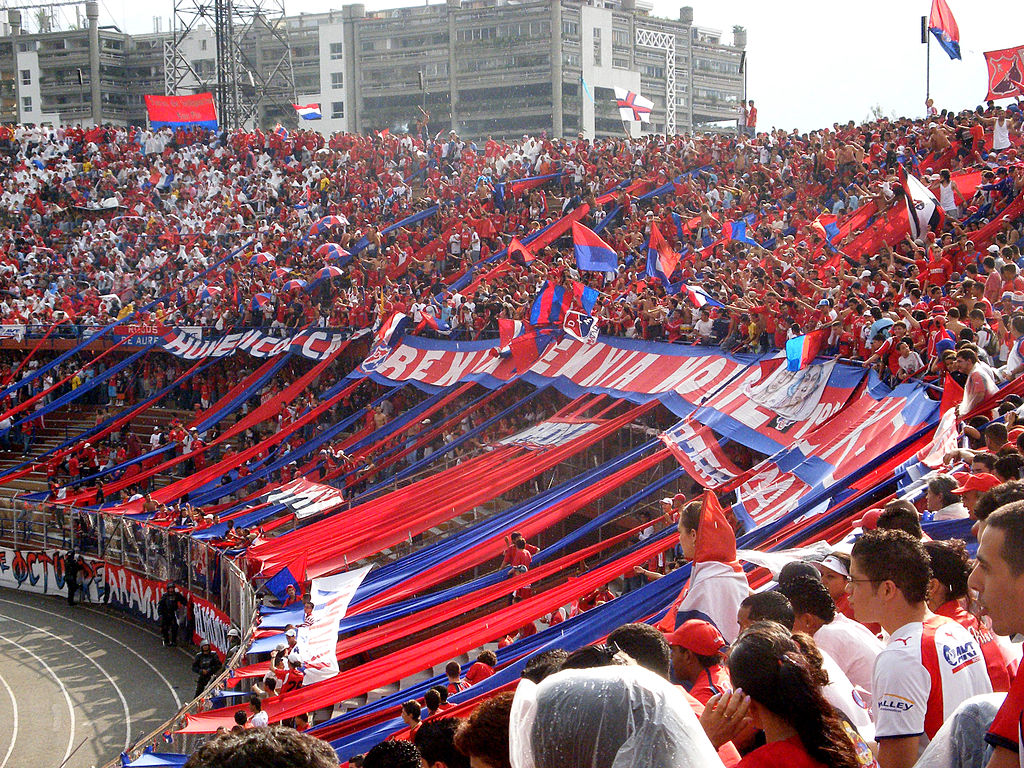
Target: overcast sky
[810,63]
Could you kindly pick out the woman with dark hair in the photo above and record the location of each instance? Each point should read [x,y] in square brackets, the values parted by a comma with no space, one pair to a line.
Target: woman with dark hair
[801,728]
[947,589]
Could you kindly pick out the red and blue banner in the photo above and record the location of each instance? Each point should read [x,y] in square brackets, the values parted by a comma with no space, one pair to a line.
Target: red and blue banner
[194,111]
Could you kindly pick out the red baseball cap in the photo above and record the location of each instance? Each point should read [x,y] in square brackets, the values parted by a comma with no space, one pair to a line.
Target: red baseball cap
[868,519]
[698,636]
[982,481]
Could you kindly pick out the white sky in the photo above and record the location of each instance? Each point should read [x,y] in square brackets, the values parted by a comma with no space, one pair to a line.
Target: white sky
[810,63]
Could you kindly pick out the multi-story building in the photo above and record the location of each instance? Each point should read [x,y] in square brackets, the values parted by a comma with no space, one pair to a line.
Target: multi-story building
[480,67]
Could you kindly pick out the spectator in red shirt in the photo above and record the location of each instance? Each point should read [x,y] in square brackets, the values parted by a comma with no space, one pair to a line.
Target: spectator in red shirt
[454,672]
[290,596]
[697,659]
[510,550]
[482,668]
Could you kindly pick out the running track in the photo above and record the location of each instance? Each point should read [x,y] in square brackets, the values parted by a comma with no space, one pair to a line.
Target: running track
[82,673]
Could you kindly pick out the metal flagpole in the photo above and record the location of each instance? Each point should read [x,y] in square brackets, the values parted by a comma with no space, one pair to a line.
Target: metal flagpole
[927,40]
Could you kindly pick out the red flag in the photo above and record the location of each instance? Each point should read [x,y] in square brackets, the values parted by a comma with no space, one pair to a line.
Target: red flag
[519,253]
[1005,73]
[952,395]
[716,540]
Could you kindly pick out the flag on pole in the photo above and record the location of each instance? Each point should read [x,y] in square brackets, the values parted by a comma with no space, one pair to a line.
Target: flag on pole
[632,106]
[801,351]
[661,259]
[308,111]
[943,26]
[592,253]
[926,215]
[281,131]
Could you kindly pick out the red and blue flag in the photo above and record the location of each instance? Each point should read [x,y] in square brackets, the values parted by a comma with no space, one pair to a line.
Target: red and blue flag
[737,230]
[827,225]
[661,259]
[944,27]
[551,304]
[391,330]
[701,298]
[432,322]
[801,350]
[592,253]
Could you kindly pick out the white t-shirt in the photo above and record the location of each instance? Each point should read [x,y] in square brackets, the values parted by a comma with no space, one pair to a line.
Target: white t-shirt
[922,674]
[853,646]
[259,720]
[840,694]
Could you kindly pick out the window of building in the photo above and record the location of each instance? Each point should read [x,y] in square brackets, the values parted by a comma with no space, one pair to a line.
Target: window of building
[30,45]
[26,77]
[337,80]
[620,38]
[26,103]
[597,47]
[620,63]
[570,29]
[335,51]
[202,45]
[337,110]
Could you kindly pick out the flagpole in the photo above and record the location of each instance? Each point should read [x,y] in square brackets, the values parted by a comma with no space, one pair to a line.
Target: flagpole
[928,69]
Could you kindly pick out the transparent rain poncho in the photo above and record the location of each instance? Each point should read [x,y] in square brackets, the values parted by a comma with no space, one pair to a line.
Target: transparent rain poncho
[606,717]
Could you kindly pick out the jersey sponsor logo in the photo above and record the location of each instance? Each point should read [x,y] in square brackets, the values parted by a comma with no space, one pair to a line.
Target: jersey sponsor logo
[891,702]
[960,656]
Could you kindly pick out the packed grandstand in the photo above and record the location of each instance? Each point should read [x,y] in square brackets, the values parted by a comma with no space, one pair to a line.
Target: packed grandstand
[378,383]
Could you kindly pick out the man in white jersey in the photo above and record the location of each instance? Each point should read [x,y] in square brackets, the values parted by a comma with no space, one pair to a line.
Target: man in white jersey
[930,663]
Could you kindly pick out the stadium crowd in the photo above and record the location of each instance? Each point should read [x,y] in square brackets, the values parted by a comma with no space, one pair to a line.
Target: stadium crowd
[886,652]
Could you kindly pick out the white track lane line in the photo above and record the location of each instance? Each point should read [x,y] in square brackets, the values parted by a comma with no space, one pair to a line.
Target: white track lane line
[135,624]
[111,638]
[67,696]
[87,657]
[14,724]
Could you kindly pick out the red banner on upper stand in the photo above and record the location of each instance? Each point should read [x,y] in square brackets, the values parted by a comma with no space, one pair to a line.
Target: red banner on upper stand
[182,111]
[1005,73]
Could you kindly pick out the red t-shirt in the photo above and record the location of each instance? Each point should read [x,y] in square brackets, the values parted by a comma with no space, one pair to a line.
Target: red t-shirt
[711,681]
[789,753]
[1006,728]
[479,671]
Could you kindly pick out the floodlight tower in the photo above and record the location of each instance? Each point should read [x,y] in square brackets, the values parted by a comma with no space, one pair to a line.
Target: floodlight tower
[254,82]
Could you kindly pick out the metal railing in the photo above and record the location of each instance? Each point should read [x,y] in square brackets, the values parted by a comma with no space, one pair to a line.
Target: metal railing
[148,552]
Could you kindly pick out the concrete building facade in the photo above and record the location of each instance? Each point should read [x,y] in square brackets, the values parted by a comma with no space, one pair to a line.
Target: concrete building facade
[481,67]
